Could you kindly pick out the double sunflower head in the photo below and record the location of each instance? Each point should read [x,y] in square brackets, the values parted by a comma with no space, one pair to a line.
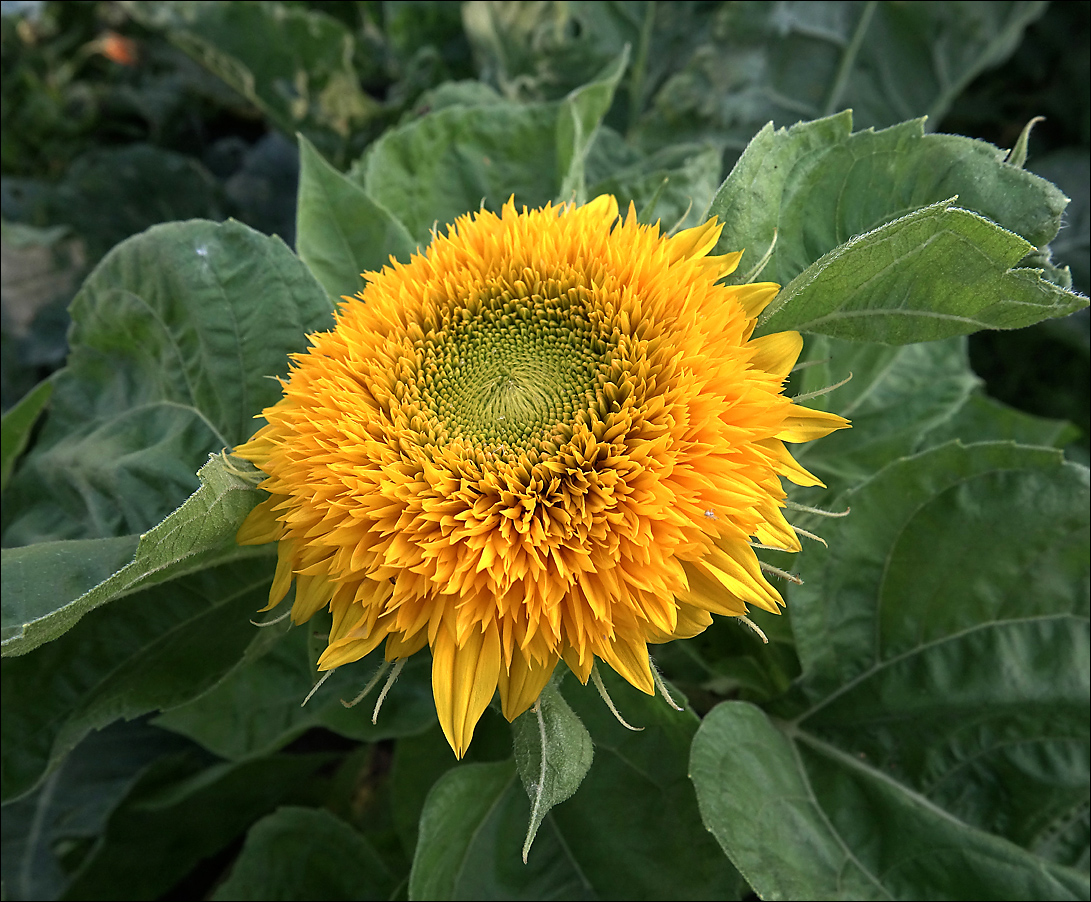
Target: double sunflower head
[550,436]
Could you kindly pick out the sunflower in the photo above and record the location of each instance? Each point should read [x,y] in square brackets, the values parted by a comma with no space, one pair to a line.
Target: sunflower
[550,436]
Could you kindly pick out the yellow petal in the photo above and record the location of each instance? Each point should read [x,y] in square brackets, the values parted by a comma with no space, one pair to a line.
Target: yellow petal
[804,424]
[776,354]
[630,660]
[282,579]
[463,682]
[521,686]
[261,524]
[756,296]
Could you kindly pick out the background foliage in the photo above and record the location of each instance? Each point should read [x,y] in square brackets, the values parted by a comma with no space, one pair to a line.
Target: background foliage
[916,726]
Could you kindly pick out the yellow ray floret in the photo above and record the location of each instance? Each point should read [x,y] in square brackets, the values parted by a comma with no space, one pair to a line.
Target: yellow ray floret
[551,435]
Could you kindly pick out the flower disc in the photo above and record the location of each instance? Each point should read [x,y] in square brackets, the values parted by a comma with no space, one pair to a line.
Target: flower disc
[550,435]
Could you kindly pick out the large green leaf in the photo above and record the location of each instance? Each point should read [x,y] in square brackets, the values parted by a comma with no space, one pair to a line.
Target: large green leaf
[340,231]
[894,397]
[630,831]
[818,184]
[49,586]
[936,272]
[184,810]
[259,708]
[936,743]
[674,185]
[70,810]
[151,650]
[436,168]
[306,853]
[294,64]
[806,822]
[174,337]
[748,63]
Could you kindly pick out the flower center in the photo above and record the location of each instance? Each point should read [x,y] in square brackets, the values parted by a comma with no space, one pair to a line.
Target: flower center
[511,370]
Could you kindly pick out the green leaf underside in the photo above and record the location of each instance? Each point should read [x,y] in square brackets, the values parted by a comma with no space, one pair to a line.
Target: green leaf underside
[552,753]
[931,676]
[49,586]
[151,650]
[175,335]
[335,862]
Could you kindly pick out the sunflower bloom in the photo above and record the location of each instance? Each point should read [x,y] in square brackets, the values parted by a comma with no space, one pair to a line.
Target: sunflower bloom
[550,436]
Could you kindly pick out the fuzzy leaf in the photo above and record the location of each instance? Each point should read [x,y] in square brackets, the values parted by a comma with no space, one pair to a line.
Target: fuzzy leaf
[48,586]
[936,272]
[553,753]
[818,185]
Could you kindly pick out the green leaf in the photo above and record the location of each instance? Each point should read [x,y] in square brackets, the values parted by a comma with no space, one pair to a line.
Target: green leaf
[674,185]
[341,232]
[542,51]
[466,797]
[631,831]
[44,831]
[984,419]
[895,397]
[434,169]
[151,650]
[936,272]
[936,743]
[818,185]
[48,587]
[306,853]
[294,64]
[829,825]
[16,426]
[994,548]
[721,71]
[258,707]
[580,114]
[184,810]
[553,753]
[111,193]
[174,337]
